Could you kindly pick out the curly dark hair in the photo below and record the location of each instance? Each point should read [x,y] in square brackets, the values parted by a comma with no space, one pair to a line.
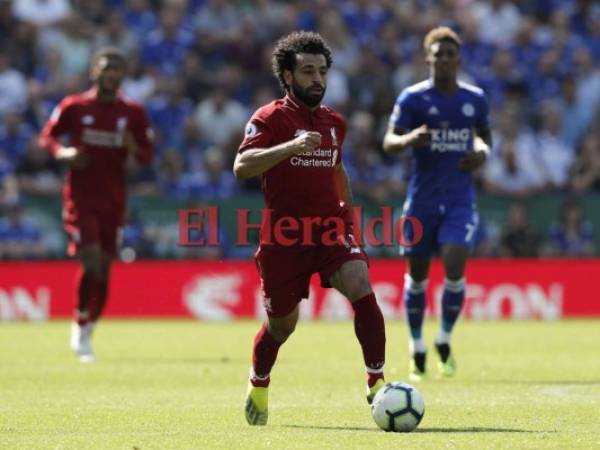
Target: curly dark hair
[109,52]
[286,49]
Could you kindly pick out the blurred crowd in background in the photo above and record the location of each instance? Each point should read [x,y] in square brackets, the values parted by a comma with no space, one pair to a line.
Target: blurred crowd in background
[201,67]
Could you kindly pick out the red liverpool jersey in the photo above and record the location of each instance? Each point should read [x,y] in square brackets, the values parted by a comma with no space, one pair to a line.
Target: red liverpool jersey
[303,185]
[98,128]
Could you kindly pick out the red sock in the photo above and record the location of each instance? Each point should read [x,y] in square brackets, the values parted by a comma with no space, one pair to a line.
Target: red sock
[370,331]
[85,291]
[99,300]
[373,377]
[264,354]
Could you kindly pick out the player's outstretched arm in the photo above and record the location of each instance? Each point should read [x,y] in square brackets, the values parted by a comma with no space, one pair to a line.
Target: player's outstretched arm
[59,124]
[139,147]
[482,143]
[255,161]
[343,182]
[72,156]
[139,140]
[397,140]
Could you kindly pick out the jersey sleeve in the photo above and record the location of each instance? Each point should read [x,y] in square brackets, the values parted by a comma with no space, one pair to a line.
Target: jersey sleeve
[403,116]
[57,125]
[342,137]
[257,133]
[143,135]
[483,114]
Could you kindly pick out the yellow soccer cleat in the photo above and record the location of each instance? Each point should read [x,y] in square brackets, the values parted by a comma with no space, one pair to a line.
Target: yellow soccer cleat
[371,391]
[447,364]
[416,367]
[257,405]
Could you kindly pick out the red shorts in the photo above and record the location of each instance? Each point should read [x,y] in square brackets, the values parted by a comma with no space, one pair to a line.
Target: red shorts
[93,228]
[285,272]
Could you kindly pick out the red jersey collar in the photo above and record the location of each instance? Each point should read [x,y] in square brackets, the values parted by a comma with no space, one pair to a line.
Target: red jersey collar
[296,105]
[93,94]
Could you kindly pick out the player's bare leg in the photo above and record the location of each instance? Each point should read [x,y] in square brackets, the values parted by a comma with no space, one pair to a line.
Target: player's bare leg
[82,327]
[271,335]
[352,280]
[454,258]
[415,285]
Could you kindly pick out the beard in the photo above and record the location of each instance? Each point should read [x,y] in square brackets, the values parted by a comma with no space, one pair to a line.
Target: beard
[110,86]
[310,99]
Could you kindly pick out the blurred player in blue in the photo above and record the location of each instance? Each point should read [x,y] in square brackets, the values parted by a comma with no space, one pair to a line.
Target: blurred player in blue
[445,122]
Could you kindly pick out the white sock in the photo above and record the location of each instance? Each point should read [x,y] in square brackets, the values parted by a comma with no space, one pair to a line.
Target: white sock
[82,316]
[415,287]
[417,346]
[455,286]
[443,337]
[370,370]
[254,376]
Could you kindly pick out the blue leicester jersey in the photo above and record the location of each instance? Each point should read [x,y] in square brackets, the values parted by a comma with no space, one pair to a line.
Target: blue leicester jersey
[452,121]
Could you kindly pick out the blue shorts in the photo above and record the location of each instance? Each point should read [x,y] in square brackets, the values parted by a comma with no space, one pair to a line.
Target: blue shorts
[441,225]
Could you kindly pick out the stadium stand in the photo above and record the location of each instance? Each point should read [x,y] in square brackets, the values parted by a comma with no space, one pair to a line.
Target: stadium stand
[201,67]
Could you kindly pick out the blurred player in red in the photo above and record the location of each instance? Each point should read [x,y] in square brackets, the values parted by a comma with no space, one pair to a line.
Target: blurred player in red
[95,133]
[295,145]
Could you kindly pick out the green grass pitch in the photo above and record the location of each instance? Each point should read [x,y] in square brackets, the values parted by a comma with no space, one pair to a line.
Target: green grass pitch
[181,385]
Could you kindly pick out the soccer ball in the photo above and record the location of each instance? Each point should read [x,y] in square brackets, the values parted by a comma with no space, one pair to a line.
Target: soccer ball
[397,407]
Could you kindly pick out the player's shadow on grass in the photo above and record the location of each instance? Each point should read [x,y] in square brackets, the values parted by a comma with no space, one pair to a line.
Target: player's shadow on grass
[325,427]
[548,382]
[422,430]
[479,430]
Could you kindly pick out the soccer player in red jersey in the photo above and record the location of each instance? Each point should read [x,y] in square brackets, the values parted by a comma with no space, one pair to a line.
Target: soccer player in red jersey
[295,145]
[103,130]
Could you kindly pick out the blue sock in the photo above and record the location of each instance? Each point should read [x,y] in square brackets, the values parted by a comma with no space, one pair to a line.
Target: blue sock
[452,301]
[414,301]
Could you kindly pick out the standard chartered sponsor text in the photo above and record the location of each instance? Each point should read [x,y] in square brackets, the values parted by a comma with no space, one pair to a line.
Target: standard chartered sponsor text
[313,158]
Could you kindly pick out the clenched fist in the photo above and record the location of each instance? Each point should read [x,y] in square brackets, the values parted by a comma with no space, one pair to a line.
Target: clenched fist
[307,142]
[420,136]
[74,157]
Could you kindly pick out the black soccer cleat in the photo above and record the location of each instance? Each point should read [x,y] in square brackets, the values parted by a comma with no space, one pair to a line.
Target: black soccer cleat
[443,350]
[446,365]
[417,364]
